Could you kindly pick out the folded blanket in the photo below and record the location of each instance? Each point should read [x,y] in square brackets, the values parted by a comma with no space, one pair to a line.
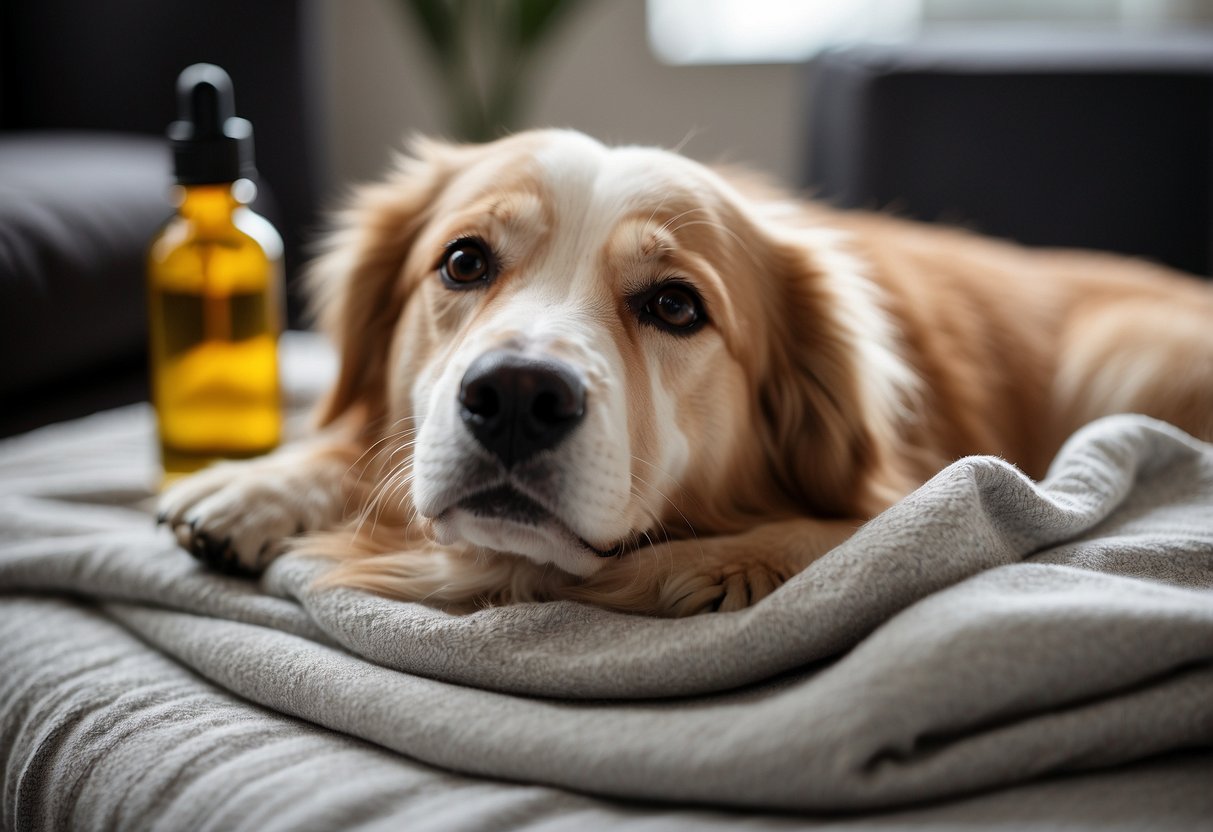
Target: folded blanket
[984,631]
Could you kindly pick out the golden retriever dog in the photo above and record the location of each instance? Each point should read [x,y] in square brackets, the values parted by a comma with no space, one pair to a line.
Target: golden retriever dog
[614,375]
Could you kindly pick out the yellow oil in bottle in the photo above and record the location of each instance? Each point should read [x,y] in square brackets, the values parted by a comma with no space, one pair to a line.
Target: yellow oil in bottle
[214,304]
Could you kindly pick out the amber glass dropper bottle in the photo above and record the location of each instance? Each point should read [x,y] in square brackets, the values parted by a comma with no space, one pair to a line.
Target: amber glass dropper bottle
[214,291]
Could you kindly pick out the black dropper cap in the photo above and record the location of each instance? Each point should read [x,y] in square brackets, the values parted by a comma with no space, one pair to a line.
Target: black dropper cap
[210,145]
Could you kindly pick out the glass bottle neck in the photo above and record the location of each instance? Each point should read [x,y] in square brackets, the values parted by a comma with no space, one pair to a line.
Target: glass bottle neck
[210,204]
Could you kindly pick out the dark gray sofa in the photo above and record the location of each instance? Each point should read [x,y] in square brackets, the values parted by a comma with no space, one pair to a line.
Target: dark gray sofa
[1092,139]
[86,91]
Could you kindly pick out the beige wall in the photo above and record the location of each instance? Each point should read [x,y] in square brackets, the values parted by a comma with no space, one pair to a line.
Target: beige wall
[599,76]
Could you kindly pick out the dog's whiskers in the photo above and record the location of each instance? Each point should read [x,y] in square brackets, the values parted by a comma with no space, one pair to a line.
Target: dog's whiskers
[356,487]
[686,520]
[690,526]
[383,490]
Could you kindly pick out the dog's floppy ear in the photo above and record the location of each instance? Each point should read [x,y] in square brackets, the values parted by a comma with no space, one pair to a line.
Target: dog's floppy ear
[355,287]
[833,391]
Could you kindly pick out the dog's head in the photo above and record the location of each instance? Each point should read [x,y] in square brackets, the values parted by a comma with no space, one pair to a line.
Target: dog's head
[578,349]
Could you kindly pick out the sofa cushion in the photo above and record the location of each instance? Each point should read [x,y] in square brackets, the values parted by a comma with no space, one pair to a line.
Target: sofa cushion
[77,211]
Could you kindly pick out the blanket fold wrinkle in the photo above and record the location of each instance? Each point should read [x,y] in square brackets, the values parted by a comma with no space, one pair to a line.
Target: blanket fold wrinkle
[984,631]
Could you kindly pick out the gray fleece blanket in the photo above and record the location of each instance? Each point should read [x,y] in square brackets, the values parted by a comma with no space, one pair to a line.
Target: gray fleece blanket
[984,632]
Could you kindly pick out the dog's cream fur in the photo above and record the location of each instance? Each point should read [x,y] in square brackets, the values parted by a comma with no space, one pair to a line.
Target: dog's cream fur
[846,358]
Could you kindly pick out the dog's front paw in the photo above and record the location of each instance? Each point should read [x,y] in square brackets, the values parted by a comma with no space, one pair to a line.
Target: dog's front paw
[726,588]
[236,517]
[688,577]
[711,574]
[730,573]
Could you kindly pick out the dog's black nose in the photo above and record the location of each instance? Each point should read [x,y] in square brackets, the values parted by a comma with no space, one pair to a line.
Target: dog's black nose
[516,405]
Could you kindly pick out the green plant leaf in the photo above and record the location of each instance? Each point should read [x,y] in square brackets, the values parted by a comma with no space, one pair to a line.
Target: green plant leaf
[484,50]
[535,17]
[439,23]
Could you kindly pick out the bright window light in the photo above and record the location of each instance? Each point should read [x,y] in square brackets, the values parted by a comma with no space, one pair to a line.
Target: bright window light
[788,31]
[771,31]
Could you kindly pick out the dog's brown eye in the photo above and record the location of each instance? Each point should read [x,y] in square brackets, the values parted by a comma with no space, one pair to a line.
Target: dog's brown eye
[465,263]
[674,307]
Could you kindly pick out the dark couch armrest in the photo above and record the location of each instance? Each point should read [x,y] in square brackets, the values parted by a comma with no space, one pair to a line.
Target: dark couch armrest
[77,211]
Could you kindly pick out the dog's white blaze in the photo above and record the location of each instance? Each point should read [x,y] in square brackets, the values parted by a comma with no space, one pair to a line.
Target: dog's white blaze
[557,309]
[592,463]
[562,308]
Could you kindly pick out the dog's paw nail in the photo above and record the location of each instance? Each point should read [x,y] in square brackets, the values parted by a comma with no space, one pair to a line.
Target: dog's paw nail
[218,555]
[161,518]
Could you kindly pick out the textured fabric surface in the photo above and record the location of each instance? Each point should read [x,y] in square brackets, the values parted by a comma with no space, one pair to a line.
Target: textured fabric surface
[101,732]
[984,633]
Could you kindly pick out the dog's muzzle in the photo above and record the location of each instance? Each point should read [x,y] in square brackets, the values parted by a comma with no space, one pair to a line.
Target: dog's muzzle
[517,405]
